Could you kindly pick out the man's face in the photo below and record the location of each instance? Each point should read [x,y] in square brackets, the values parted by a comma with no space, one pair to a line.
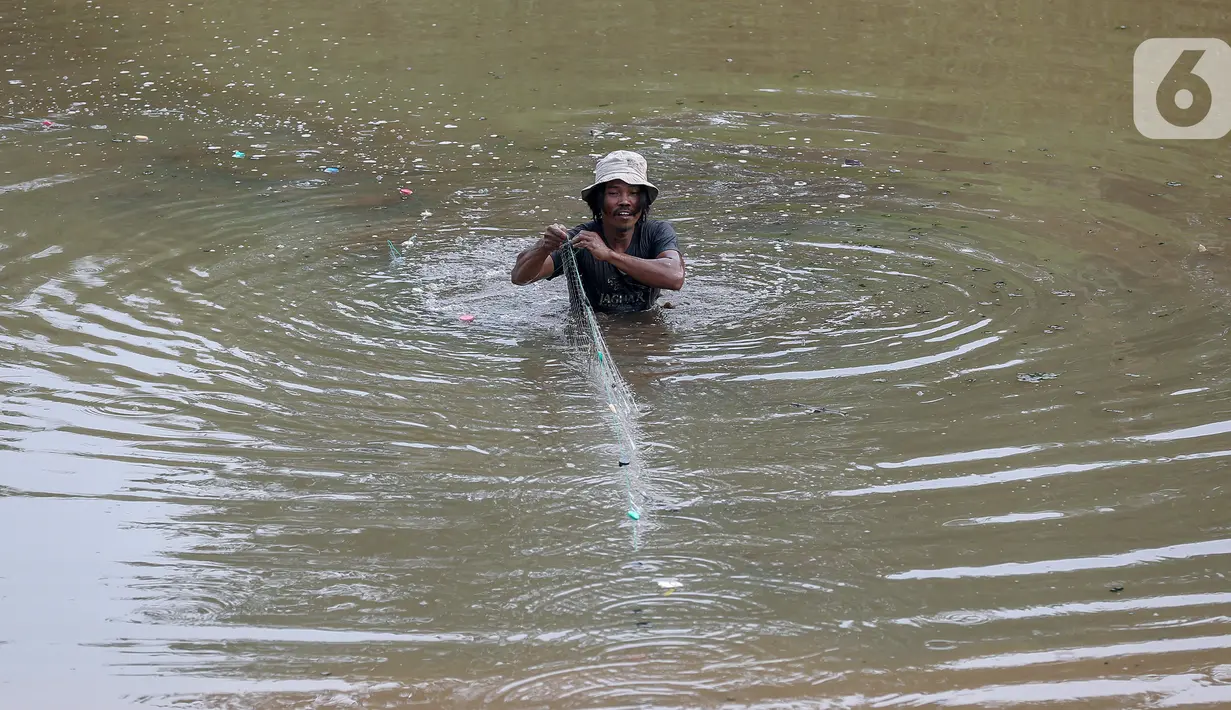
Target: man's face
[622,204]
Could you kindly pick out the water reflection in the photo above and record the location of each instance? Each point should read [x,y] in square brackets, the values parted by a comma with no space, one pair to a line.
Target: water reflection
[938,420]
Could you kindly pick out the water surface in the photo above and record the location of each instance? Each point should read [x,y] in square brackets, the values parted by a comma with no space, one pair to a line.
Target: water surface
[946,427]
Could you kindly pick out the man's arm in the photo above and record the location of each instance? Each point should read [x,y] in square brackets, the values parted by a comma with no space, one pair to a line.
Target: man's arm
[666,270]
[536,263]
[533,264]
[663,271]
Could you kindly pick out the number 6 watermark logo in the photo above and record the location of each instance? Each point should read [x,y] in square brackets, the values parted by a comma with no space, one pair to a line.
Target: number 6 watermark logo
[1182,88]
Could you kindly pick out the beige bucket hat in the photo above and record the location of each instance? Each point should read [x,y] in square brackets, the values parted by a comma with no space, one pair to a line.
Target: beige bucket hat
[623,165]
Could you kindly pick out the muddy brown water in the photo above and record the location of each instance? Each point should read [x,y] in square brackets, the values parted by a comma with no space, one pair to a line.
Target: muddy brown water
[946,428]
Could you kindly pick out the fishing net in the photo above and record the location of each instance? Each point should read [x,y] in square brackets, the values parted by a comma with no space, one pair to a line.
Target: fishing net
[600,368]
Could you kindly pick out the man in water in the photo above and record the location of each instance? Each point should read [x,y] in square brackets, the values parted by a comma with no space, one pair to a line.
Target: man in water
[624,257]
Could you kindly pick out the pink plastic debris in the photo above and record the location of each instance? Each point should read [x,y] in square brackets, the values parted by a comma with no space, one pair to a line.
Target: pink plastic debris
[405,192]
[465,317]
[47,124]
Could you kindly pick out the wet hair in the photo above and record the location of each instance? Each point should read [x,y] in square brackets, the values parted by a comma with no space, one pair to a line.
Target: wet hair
[599,194]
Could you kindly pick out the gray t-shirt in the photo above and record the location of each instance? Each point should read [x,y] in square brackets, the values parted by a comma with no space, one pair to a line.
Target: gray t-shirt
[606,287]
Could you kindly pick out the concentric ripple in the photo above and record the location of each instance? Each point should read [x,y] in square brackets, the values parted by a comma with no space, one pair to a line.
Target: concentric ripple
[939,418]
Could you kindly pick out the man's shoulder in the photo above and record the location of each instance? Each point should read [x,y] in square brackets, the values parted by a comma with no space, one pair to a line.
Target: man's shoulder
[660,234]
[658,228]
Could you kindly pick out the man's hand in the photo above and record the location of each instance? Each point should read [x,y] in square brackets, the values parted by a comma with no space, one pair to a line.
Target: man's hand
[536,263]
[592,242]
[553,238]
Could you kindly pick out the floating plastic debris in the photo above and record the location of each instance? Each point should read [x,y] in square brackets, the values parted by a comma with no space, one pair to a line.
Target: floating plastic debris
[141,139]
[1036,376]
[668,583]
[465,318]
[851,163]
[405,192]
[238,154]
[332,170]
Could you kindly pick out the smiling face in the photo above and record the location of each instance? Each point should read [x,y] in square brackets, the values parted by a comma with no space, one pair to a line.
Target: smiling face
[622,204]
